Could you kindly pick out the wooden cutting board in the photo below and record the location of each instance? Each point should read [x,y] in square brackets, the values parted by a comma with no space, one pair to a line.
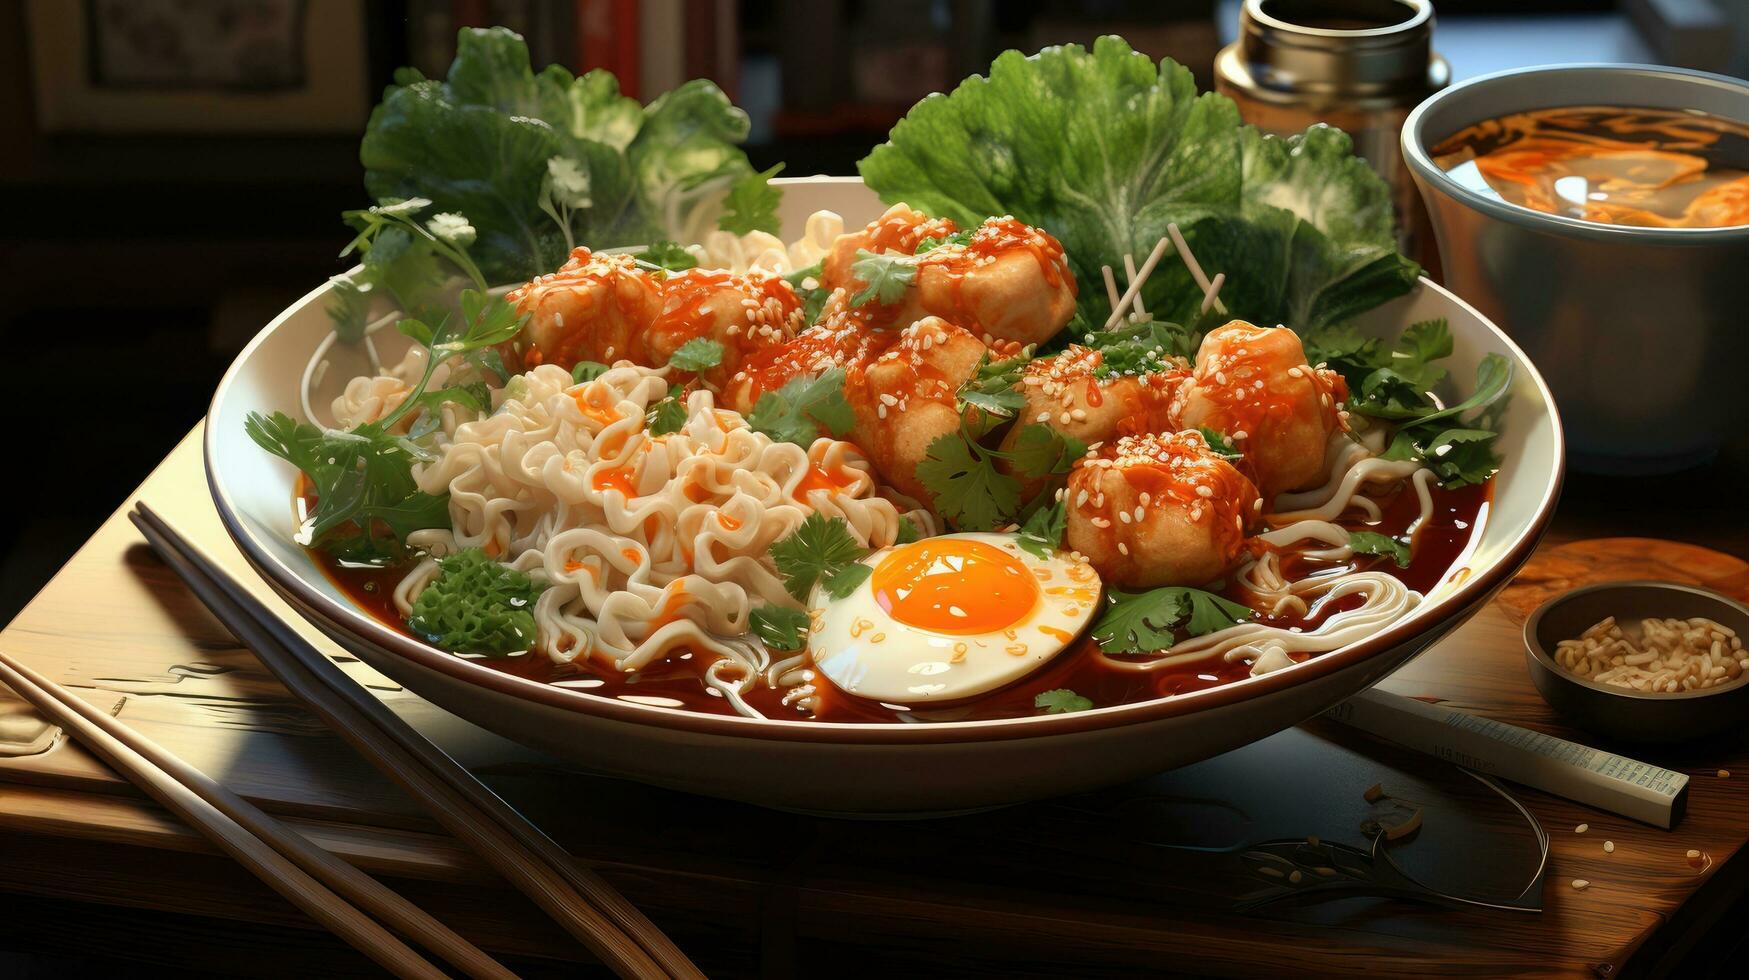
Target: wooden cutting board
[752,891]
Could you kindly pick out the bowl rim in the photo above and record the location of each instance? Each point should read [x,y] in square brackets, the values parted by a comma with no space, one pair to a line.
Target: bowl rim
[1534,645]
[1433,179]
[361,626]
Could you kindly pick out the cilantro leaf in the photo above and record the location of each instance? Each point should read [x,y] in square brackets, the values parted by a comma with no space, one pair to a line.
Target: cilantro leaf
[846,580]
[797,411]
[1142,348]
[907,533]
[668,415]
[1042,534]
[1061,701]
[813,297]
[887,276]
[968,489]
[1219,444]
[587,371]
[1148,622]
[476,606]
[668,255]
[1040,450]
[1374,543]
[780,627]
[993,386]
[697,354]
[819,548]
[367,501]
[752,204]
[957,238]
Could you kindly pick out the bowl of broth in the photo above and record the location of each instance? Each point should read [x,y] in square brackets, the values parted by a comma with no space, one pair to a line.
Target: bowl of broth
[1600,214]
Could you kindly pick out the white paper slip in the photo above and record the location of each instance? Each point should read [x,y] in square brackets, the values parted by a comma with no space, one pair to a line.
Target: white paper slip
[1577,772]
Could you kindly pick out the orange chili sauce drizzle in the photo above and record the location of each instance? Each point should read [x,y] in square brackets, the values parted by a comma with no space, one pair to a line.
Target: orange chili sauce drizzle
[680,677]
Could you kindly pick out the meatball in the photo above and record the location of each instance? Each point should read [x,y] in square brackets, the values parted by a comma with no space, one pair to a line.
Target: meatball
[1253,385]
[1153,510]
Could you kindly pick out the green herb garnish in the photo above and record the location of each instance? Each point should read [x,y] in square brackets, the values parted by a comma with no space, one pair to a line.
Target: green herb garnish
[697,354]
[820,549]
[1061,701]
[780,627]
[1150,621]
[797,411]
[1374,543]
[887,275]
[476,606]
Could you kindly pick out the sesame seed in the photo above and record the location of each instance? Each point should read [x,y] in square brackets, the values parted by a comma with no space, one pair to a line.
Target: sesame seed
[1043,417]
[1581,884]
[1609,847]
[1581,828]
[1124,516]
[1123,549]
[887,399]
[1204,492]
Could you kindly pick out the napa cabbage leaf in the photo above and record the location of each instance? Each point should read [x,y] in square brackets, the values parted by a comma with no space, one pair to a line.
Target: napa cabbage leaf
[1104,149]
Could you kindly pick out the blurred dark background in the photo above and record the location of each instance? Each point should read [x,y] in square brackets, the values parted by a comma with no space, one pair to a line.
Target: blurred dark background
[172,171]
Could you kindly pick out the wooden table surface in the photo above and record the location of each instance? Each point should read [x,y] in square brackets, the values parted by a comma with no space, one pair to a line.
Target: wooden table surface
[748,891]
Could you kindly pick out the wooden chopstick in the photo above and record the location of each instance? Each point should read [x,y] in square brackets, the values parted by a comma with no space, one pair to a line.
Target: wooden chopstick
[575,897]
[266,863]
[345,880]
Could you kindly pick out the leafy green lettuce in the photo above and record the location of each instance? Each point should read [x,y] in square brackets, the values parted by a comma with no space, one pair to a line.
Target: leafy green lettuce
[1104,149]
[537,162]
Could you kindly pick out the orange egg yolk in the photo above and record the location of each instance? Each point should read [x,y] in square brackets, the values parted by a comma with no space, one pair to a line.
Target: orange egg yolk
[954,586]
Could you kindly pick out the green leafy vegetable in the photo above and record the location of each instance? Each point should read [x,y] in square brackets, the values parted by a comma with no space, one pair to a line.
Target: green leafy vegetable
[820,548]
[697,354]
[993,386]
[587,371]
[1142,348]
[1103,148]
[367,500]
[797,411]
[1150,621]
[957,238]
[537,161]
[1042,534]
[668,415]
[668,255]
[1219,444]
[1374,543]
[780,627]
[752,204]
[907,533]
[969,490]
[1061,701]
[1040,450]
[476,606]
[813,297]
[887,276]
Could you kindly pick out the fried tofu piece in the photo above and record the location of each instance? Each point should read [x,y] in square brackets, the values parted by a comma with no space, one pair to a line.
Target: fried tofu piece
[593,309]
[607,308]
[1010,282]
[1070,394]
[906,397]
[1253,385]
[1154,510]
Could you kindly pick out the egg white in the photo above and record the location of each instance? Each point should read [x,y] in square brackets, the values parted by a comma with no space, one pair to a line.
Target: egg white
[862,650]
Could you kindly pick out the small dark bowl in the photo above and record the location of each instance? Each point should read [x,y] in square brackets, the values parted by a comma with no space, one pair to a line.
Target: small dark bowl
[1621,712]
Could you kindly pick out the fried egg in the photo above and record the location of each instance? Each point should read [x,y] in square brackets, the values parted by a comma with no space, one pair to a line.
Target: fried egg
[950,617]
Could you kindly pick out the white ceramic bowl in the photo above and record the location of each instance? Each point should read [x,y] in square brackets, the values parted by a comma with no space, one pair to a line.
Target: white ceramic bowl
[872,769]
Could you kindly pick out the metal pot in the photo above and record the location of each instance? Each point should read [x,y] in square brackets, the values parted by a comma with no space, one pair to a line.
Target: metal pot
[1641,332]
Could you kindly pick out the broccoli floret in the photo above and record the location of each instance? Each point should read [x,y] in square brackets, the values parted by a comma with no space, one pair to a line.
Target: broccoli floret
[476,606]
